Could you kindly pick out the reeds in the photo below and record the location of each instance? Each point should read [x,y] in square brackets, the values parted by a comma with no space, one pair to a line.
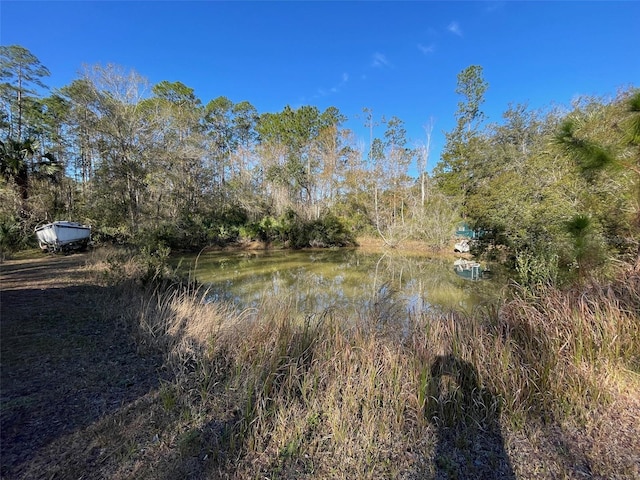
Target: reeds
[569,344]
[335,396]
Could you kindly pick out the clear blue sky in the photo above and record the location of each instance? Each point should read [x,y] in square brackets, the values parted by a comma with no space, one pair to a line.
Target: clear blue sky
[396,58]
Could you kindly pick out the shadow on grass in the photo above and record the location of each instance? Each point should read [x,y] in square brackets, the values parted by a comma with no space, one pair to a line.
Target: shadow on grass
[467,420]
[66,363]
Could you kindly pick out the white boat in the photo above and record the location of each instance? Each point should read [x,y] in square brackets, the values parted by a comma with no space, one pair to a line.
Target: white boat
[462,246]
[63,236]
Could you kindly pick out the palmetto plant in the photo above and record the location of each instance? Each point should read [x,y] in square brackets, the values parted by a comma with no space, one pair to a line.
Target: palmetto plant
[9,235]
[14,162]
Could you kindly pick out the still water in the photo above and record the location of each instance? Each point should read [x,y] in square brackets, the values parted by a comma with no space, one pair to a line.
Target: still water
[344,278]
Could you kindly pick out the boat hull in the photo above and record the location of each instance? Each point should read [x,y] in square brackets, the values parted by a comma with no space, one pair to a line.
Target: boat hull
[60,236]
[462,246]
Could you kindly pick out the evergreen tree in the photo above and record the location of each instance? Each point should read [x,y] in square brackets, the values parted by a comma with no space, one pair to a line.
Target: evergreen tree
[21,73]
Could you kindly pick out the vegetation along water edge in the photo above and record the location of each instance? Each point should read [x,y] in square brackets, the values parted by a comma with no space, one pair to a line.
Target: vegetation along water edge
[545,385]
[114,366]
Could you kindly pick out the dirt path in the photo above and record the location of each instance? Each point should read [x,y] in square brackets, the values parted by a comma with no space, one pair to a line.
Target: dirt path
[66,362]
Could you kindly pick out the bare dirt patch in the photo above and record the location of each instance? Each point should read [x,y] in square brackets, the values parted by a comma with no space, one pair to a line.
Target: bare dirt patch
[66,360]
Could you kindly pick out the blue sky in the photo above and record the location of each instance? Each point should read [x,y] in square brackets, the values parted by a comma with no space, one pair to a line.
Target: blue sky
[395,58]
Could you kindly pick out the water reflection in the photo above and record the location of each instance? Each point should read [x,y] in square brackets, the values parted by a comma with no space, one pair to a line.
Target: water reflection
[346,278]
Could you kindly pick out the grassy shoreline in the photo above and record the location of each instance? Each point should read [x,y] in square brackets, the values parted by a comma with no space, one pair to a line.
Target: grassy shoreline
[545,386]
[328,396]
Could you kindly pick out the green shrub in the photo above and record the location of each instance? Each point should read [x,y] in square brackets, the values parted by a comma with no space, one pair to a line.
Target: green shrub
[537,268]
[328,231]
[11,237]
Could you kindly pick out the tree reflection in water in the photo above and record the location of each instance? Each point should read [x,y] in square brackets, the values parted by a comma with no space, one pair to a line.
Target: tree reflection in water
[346,279]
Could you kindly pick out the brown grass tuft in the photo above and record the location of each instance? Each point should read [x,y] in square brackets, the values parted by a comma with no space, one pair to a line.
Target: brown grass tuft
[327,395]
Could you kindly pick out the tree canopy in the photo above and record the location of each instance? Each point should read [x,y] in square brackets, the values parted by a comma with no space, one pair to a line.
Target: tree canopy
[155,164]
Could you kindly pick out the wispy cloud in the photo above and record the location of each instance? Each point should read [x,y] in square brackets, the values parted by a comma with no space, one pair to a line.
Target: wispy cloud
[343,81]
[496,5]
[323,92]
[427,49]
[345,77]
[454,27]
[380,60]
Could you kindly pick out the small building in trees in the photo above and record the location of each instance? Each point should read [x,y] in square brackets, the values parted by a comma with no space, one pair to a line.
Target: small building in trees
[463,230]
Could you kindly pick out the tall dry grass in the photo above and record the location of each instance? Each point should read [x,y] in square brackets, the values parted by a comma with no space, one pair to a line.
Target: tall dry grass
[337,395]
[569,344]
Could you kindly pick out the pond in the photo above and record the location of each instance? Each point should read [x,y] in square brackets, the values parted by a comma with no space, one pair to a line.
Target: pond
[343,278]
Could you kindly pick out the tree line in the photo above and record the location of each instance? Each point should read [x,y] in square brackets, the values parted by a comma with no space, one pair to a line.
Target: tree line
[552,192]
